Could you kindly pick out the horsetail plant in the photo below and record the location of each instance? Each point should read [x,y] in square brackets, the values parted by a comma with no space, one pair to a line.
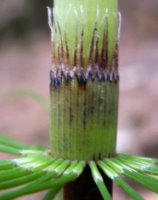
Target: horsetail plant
[82,161]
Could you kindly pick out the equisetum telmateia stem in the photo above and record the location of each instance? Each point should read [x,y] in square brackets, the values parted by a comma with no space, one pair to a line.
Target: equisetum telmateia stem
[84,79]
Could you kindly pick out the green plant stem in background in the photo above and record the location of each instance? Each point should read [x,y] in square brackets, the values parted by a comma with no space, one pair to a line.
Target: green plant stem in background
[84,79]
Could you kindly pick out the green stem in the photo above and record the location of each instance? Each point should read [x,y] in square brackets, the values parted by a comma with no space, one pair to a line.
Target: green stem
[84,85]
[84,121]
[84,79]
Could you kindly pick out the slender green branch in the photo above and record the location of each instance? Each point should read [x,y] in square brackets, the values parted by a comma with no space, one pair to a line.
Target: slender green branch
[6,164]
[115,177]
[51,194]
[99,181]
[43,183]
[9,150]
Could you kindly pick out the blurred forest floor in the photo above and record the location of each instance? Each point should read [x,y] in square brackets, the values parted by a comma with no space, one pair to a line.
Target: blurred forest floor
[25,60]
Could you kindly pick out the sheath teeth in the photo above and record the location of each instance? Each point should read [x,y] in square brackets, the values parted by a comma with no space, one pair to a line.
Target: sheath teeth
[72,56]
[82,76]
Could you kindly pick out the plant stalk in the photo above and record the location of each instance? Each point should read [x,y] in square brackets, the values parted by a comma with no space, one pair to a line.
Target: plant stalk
[84,85]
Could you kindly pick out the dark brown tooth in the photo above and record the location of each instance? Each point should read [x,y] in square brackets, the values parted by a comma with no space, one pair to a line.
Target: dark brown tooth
[67,51]
[89,74]
[108,77]
[116,58]
[97,52]
[97,76]
[61,41]
[81,48]
[56,82]
[92,53]
[103,58]
[51,78]
[115,77]
[75,57]
[62,75]
[102,77]
[68,77]
[81,78]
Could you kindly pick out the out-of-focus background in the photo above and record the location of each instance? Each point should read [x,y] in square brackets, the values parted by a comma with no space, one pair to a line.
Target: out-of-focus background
[25,59]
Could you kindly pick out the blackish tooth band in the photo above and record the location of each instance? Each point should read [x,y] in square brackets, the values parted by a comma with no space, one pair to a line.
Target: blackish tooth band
[57,79]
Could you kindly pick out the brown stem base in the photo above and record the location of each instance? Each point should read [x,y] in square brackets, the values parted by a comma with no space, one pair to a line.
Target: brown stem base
[84,187]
